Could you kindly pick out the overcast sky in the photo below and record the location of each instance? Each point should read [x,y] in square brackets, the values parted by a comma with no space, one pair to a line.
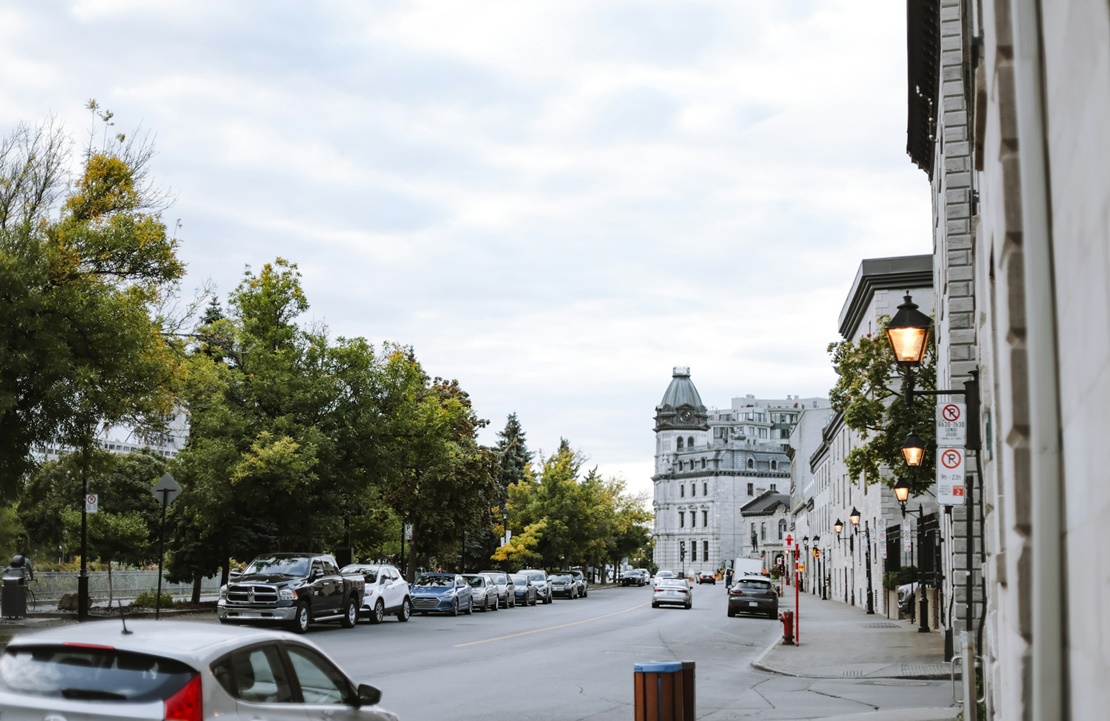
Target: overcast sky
[553,202]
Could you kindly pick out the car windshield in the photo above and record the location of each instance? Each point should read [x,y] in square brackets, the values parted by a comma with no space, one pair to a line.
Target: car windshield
[665,574]
[559,579]
[76,672]
[498,578]
[475,581]
[519,579]
[535,576]
[369,573]
[295,566]
[435,581]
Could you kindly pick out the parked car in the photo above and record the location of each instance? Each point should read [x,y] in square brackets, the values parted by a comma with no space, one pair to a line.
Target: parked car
[483,591]
[707,577]
[506,596]
[580,581]
[907,596]
[563,585]
[441,593]
[176,670]
[385,593]
[524,589]
[296,589]
[539,580]
[672,591]
[753,594]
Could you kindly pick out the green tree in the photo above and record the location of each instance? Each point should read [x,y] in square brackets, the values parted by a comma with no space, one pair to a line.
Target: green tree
[868,393]
[78,343]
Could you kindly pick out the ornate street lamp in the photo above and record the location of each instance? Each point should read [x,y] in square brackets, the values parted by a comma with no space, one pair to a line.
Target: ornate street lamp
[854,518]
[838,527]
[913,450]
[902,493]
[908,333]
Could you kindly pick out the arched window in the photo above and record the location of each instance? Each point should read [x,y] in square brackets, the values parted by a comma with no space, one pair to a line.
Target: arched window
[774,465]
[751,463]
[690,442]
[680,443]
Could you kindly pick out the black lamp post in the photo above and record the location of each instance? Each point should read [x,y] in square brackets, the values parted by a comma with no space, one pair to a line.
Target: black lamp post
[838,527]
[854,518]
[902,493]
[805,545]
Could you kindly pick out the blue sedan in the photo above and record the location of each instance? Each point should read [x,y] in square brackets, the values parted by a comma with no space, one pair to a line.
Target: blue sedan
[441,593]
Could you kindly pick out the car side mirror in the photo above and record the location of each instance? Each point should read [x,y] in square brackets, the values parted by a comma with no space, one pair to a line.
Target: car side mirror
[368,695]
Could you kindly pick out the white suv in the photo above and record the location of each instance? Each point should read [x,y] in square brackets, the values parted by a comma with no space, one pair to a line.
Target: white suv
[386,592]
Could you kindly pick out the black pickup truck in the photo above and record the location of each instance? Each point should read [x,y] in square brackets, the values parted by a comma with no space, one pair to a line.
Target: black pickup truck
[291,588]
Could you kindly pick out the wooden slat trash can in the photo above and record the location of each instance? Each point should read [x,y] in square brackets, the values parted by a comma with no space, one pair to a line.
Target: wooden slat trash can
[664,691]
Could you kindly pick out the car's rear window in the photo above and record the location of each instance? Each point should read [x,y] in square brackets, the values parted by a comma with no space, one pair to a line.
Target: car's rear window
[95,674]
[746,585]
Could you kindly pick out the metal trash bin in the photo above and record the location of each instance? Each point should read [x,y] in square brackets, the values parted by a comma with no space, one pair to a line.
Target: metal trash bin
[13,597]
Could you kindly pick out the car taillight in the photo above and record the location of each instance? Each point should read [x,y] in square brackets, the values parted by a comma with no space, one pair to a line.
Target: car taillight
[735,592]
[186,704]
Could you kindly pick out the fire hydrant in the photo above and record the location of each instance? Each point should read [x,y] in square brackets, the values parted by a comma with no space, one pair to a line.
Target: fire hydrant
[787,619]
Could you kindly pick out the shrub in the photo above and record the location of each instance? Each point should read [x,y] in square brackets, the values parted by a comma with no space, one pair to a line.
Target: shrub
[149,599]
[893,579]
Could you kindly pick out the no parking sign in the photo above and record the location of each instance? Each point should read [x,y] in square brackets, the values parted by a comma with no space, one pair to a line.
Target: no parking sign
[950,476]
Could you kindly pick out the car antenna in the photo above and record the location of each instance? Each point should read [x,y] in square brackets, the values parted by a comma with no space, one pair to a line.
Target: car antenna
[122,619]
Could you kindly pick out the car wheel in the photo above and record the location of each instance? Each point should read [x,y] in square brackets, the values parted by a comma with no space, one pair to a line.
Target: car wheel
[496,604]
[406,611]
[655,605]
[350,614]
[731,613]
[378,615]
[455,608]
[303,618]
[470,607]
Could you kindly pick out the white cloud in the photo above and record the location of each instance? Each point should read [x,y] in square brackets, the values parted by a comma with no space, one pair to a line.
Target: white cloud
[553,201]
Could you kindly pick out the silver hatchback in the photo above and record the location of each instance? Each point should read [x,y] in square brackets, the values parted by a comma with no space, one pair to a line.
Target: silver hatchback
[177,670]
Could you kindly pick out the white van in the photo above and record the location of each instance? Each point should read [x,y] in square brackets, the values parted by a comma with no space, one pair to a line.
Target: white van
[747,567]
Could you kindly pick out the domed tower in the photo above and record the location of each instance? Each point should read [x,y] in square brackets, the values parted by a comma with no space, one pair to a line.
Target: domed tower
[680,420]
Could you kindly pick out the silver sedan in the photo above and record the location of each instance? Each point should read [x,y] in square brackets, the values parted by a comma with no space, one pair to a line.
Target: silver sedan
[176,669]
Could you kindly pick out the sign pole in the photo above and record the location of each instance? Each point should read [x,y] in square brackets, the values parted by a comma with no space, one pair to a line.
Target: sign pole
[797,606]
[161,553]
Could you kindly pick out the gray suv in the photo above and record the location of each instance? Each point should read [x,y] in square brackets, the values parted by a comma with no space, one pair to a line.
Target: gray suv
[539,580]
[580,582]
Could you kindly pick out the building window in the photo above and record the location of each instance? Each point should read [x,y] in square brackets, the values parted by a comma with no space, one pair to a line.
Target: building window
[681,519]
[690,441]
[680,443]
[682,489]
[782,529]
[751,490]
[705,519]
[705,488]
[703,464]
[693,519]
[774,465]
[763,531]
[705,550]
[751,463]
[693,550]
[774,487]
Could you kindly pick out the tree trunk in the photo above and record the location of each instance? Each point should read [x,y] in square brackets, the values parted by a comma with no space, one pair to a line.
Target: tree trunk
[196,587]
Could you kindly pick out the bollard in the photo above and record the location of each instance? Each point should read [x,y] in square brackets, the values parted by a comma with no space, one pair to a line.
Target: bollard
[660,691]
[787,619]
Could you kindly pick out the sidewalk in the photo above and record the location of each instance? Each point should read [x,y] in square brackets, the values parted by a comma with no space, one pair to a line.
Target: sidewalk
[841,641]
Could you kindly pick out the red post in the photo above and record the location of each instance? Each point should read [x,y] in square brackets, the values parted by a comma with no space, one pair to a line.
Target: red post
[797,608]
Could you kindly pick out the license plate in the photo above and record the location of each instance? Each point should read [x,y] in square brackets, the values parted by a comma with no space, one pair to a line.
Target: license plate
[752,603]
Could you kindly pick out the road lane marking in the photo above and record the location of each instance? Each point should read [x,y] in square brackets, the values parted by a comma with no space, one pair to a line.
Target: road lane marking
[547,628]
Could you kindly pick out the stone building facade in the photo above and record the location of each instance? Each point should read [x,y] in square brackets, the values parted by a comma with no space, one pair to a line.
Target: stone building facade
[1008,116]
[709,462]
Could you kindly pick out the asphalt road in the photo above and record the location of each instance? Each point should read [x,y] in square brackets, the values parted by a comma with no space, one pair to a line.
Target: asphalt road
[575,660]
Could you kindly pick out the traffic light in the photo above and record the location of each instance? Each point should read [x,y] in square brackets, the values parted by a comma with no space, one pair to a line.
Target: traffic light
[682,550]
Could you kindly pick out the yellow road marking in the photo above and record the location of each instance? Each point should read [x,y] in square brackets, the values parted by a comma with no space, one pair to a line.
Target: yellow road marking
[548,628]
